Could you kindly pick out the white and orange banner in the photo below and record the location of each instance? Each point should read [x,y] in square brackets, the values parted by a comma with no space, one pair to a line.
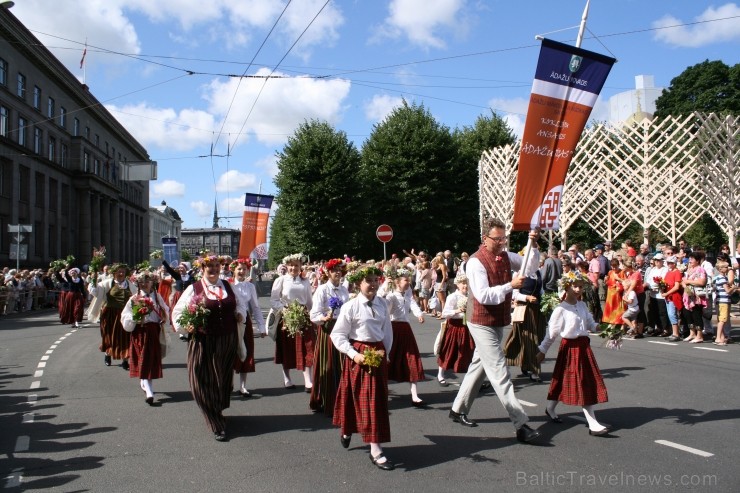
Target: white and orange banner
[253,241]
[566,85]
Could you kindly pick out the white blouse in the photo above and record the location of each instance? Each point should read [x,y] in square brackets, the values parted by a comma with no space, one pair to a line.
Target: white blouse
[247,290]
[160,313]
[288,288]
[569,322]
[187,295]
[362,320]
[321,299]
[400,304]
[450,309]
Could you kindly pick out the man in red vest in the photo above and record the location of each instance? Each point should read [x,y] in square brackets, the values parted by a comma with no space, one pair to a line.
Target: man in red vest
[490,285]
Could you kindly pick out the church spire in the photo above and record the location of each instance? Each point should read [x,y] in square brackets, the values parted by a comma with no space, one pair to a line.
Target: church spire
[215,214]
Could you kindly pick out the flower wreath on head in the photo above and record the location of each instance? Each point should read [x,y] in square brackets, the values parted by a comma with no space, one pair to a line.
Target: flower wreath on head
[360,274]
[296,257]
[570,278]
[334,263]
[113,268]
[146,275]
[202,261]
[392,272]
[240,260]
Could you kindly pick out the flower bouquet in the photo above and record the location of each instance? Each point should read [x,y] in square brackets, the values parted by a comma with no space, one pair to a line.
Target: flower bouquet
[141,306]
[373,358]
[195,315]
[98,257]
[462,304]
[660,283]
[613,336]
[156,255]
[335,303]
[145,265]
[295,318]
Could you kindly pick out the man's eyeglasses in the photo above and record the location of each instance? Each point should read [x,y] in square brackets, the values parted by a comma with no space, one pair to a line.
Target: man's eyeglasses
[499,239]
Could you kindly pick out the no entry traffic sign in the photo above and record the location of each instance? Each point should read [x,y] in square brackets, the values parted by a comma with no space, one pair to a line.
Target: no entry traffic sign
[384,233]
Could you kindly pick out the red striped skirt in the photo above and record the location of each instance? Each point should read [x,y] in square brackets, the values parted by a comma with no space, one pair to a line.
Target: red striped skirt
[405,360]
[62,305]
[295,352]
[576,379]
[74,308]
[457,348]
[362,399]
[247,366]
[327,371]
[115,340]
[145,352]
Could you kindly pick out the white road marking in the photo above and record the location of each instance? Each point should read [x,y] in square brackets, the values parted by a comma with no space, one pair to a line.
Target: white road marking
[67,334]
[15,479]
[38,374]
[690,450]
[528,404]
[664,343]
[28,418]
[45,357]
[22,443]
[49,351]
[35,384]
[62,338]
[58,342]
[32,398]
[711,349]
[53,346]
[42,364]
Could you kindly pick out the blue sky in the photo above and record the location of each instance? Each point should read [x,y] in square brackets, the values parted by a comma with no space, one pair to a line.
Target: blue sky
[162,68]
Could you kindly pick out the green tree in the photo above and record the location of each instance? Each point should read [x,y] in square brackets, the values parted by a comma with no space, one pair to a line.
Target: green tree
[318,189]
[486,133]
[706,86]
[409,166]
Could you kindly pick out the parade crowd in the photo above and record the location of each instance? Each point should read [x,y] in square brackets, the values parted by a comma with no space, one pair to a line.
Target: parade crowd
[344,324]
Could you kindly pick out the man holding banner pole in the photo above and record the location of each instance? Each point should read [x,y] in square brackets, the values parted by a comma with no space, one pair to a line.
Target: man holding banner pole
[489,311]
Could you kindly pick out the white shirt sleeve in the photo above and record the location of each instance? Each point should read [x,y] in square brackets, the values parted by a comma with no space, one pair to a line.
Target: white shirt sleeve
[181,305]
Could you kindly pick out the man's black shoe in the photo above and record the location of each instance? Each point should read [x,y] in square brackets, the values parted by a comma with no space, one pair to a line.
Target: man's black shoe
[462,419]
[526,434]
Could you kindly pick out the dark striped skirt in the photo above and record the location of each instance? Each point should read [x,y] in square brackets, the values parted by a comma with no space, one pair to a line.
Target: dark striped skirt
[362,399]
[210,366]
[405,361]
[62,305]
[295,352]
[576,379]
[327,371]
[456,351]
[74,308]
[145,352]
[522,344]
[247,366]
[115,340]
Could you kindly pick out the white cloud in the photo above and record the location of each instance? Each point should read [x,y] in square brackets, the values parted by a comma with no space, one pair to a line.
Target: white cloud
[380,106]
[512,111]
[282,106]
[422,21]
[168,188]
[235,181]
[701,34]
[269,164]
[323,31]
[201,208]
[233,206]
[165,127]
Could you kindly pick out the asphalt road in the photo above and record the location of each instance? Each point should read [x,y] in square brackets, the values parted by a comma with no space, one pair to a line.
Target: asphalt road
[71,424]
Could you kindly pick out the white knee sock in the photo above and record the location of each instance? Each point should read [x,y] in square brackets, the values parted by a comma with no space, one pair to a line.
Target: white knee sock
[441,374]
[286,377]
[593,424]
[551,405]
[243,381]
[308,377]
[147,386]
[414,393]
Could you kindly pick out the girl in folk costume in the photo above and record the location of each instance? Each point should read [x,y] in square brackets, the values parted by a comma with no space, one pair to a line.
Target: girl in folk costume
[327,300]
[405,360]
[183,277]
[576,379]
[364,334]
[294,350]
[144,316]
[244,288]
[520,347]
[213,313]
[457,346]
[115,293]
[61,279]
[93,311]
[75,300]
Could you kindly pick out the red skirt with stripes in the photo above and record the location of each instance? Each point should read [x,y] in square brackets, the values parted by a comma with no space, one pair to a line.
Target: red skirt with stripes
[576,379]
[145,352]
[362,398]
[295,352]
[405,360]
[457,348]
[74,308]
[247,366]
[62,306]
[115,340]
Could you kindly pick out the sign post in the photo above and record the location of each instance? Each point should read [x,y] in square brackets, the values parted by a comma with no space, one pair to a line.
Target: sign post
[18,229]
[384,233]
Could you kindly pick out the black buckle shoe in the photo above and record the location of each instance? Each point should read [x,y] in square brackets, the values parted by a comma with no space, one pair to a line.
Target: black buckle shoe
[386,466]
[526,434]
[107,360]
[462,419]
[344,440]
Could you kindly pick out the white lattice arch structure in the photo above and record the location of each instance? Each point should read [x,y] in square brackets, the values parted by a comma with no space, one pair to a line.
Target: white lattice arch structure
[664,173]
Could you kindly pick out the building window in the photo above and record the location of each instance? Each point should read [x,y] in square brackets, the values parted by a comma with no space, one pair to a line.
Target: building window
[52,149]
[22,125]
[65,205]
[87,133]
[63,155]
[21,87]
[24,185]
[37,140]
[97,140]
[96,164]
[37,97]
[40,195]
[3,72]
[53,194]
[4,125]
[62,116]
[85,162]
[76,128]
[50,108]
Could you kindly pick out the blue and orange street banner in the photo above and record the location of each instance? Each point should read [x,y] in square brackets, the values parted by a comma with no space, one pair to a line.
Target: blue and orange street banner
[566,85]
[253,242]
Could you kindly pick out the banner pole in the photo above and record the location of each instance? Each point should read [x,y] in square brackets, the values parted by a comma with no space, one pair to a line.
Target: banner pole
[584,17]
